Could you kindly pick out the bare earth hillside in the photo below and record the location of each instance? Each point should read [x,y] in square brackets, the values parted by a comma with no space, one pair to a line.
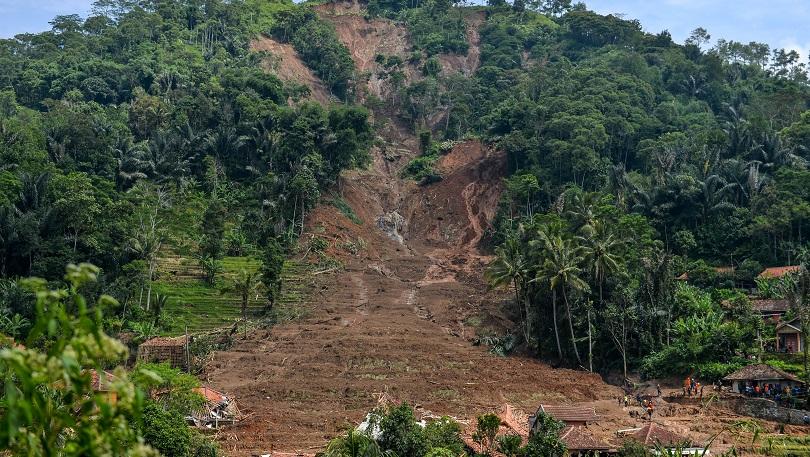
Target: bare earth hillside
[402,316]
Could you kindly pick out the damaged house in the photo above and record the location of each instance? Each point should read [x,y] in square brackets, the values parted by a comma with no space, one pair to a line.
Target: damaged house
[217,410]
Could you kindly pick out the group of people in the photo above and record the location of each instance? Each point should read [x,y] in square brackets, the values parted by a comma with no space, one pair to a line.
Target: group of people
[647,404]
[692,387]
[776,392]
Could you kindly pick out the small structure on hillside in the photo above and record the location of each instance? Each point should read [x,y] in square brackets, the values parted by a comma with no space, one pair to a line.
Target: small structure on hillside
[656,437]
[789,337]
[218,410]
[173,351]
[760,375]
[653,434]
[770,309]
[101,383]
[570,415]
[581,443]
[778,272]
[719,271]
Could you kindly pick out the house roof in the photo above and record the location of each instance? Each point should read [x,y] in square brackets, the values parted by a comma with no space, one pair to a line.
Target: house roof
[717,270]
[164,341]
[101,383]
[778,272]
[760,372]
[578,438]
[793,324]
[653,434]
[211,395]
[570,413]
[769,305]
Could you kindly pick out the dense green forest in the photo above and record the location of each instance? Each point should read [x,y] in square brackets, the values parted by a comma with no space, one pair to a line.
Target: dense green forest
[150,127]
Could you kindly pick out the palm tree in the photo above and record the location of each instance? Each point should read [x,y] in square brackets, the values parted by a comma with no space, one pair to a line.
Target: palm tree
[563,272]
[355,444]
[146,244]
[601,253]
[510,268]
[129,162]
[713,196]
[246,284]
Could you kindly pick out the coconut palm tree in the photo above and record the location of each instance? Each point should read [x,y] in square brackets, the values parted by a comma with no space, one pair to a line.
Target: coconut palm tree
[355,444]
[562,271]
[601,252]
[510,268]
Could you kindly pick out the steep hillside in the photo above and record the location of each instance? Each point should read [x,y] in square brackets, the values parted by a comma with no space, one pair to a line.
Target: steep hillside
[401,318]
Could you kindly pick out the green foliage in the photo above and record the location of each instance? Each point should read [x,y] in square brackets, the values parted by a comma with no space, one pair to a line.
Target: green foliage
[318,45]
[346,210]
[354,444]
[633,448]
[437,30]
[400,434]
[49,403]
[544,440]
[166,430]
[169,387]
[271,269]
[445,434]
[422,169]
[510,445]
[486,431]
[702,340]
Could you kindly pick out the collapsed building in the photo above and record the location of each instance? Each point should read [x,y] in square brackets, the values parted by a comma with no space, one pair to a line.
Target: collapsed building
[218,410]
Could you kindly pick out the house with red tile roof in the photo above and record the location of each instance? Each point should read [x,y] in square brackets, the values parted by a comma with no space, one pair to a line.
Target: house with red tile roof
[778,272]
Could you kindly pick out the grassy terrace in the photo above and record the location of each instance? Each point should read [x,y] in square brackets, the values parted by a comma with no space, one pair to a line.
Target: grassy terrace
[201,306]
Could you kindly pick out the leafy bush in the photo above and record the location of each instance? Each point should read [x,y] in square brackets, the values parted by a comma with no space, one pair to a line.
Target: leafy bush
[422,169]
[319,47]
[444,433]
[400,433]
[437,32]
[345,209]
[166,430]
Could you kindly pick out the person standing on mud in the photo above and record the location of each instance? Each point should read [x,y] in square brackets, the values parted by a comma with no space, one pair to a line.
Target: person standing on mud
[658,387]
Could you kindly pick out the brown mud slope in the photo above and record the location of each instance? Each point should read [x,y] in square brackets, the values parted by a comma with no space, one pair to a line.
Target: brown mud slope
[394,321]
[285,63]
[401,317]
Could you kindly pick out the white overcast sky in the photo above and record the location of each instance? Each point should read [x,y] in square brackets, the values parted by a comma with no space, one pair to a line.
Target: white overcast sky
[780,23]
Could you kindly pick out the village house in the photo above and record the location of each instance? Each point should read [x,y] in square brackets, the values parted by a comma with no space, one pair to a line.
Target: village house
[102,383]
[772,310]
[173,351]
[653,436]
[571,416]
[581,443]
[789,337]
[217,410]
[760,375]
[778,272]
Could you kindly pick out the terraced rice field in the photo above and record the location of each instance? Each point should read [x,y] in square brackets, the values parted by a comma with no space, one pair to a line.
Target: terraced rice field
[201,306]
